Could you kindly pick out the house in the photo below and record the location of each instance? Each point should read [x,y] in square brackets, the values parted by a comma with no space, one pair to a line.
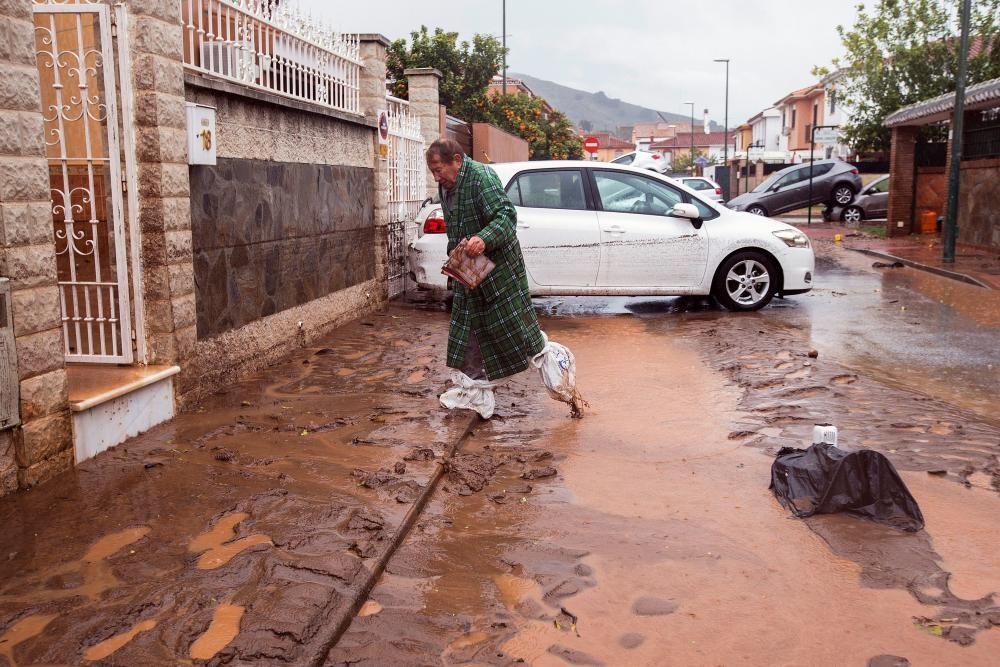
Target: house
[645,135]
[979,173]
[514,87]
[609,146]
[183,211]
[766,132]
[801,110]
[837,112]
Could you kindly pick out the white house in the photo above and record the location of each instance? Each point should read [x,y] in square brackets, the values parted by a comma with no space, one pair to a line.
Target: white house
[837,112]
[766,131]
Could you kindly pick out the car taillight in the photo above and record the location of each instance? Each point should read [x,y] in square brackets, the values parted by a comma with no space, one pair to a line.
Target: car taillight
[655,156]
[434,225]
[854,171]
[718,191]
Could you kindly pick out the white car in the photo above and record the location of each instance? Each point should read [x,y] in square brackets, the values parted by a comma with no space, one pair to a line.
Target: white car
[706,187]
[644,160]
[590,228]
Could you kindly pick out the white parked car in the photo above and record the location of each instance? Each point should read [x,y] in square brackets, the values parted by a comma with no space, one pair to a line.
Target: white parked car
[706,187]
[589,228]
[644,160]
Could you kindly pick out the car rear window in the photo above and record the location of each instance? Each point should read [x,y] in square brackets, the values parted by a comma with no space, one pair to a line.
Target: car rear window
[698,184]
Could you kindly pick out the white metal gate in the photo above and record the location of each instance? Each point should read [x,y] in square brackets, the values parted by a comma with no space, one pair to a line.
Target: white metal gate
[407,185]
[76,67]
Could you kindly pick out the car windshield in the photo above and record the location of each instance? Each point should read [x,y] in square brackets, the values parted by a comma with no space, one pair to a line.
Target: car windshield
[768,182]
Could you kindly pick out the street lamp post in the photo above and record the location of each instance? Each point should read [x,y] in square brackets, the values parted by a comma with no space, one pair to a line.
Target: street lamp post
[957,127]
[504,30]
[725,144]
[691,132]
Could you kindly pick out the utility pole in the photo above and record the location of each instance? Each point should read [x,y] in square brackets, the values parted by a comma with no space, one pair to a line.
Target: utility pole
[957,126]
[503,72]
[692,135]
[725,139]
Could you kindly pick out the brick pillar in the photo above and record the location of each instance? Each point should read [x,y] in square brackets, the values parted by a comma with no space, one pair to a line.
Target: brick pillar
[735,184]
[901,180]
[156,40]
[372,100]
[759,170]
[43,445]
[423,83]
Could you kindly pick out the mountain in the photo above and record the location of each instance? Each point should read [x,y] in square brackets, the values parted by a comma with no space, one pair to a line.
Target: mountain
[603,112]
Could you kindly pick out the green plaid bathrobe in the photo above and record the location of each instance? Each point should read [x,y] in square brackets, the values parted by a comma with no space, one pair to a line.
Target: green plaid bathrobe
[499,311]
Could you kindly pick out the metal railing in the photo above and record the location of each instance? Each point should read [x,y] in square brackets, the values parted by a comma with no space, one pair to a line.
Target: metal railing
[272,47]
[407,186]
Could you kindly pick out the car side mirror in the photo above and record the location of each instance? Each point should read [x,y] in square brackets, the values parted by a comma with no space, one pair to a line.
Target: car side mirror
[689,211]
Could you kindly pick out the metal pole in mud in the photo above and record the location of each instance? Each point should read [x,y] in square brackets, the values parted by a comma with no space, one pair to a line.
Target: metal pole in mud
[957,126]
[340,619]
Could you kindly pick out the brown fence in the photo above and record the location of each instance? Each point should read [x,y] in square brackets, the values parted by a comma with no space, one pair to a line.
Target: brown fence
[490,144]
[460,131]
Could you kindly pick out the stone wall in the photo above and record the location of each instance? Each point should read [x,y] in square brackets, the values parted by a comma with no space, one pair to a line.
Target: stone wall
[979,203]
[287,228]
[931,190]
[270,236]
[42,446]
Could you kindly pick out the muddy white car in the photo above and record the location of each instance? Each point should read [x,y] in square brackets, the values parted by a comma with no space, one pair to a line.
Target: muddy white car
[601,229]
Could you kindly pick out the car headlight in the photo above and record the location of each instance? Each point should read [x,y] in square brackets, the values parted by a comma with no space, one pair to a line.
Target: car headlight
[793,238]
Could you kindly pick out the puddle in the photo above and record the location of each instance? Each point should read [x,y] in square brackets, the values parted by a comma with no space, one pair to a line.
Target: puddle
[370,608]
[214,543]
[111,544]
[223,629]
[23,630]
[109,646]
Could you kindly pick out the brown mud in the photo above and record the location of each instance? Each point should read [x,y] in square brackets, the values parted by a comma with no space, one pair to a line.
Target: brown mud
[658,536]
[236,532]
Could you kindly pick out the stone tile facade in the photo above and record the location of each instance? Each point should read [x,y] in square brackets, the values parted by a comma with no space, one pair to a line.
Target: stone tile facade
[269,236]
[979,203]
[42,446]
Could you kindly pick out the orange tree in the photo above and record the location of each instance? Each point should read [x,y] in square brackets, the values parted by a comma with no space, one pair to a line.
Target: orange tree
[549,134]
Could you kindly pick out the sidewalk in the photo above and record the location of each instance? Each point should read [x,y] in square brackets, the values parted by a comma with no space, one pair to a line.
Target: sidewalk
[247,531]
[978,266]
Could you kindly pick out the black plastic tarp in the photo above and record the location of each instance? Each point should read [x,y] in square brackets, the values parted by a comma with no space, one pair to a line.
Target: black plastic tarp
[824,479]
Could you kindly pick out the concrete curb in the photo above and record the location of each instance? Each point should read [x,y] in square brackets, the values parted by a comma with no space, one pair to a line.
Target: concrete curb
[339,618]
[945,273]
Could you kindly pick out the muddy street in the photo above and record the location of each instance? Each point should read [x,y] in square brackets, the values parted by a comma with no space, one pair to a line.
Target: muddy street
[254,529]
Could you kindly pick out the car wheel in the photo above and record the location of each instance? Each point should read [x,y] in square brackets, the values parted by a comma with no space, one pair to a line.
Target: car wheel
[757,209]
[843,194]
[746,281]
[852,215]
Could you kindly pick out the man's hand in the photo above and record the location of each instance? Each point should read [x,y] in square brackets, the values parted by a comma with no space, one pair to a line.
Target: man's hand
[475,247]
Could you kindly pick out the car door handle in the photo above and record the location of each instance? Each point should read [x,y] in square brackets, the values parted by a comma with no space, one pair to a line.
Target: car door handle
[614,229]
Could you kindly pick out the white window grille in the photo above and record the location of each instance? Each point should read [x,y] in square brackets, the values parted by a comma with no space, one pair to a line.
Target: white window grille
[273,48]
[407,184]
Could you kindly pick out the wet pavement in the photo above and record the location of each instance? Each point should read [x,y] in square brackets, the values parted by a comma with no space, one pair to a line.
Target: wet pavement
[643,534]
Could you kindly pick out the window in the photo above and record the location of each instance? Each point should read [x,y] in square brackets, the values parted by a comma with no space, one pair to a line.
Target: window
[549,189]
[832,94]
[629,193]
[795,113]
[793,177]
[698,184]
[815,113]
[821,169]
[879,187]
[625,159]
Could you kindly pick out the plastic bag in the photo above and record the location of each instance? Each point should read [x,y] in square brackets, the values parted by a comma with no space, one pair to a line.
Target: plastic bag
[557,366]
[469,394]
[825,479]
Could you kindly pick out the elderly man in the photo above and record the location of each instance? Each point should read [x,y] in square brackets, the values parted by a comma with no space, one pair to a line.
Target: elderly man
[494,331]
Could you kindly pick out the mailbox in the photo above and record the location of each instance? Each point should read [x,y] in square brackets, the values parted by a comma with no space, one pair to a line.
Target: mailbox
[10,415]
[201,137]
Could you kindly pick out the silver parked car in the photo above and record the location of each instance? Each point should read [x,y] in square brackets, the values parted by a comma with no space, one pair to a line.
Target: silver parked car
[872,203]
[834,183]
[704,186]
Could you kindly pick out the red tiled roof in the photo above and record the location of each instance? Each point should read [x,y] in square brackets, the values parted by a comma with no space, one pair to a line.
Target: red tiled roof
[683,140]
[608,140]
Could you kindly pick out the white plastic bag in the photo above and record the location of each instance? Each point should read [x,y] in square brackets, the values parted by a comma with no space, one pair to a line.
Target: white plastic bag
[557,366]
[470,394]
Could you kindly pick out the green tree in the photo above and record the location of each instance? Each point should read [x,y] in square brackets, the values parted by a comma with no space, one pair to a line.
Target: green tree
[683,161]
[903,51]
[549,134]
[467,68]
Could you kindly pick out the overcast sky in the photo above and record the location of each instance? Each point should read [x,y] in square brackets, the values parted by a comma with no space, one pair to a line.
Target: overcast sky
[657,53]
